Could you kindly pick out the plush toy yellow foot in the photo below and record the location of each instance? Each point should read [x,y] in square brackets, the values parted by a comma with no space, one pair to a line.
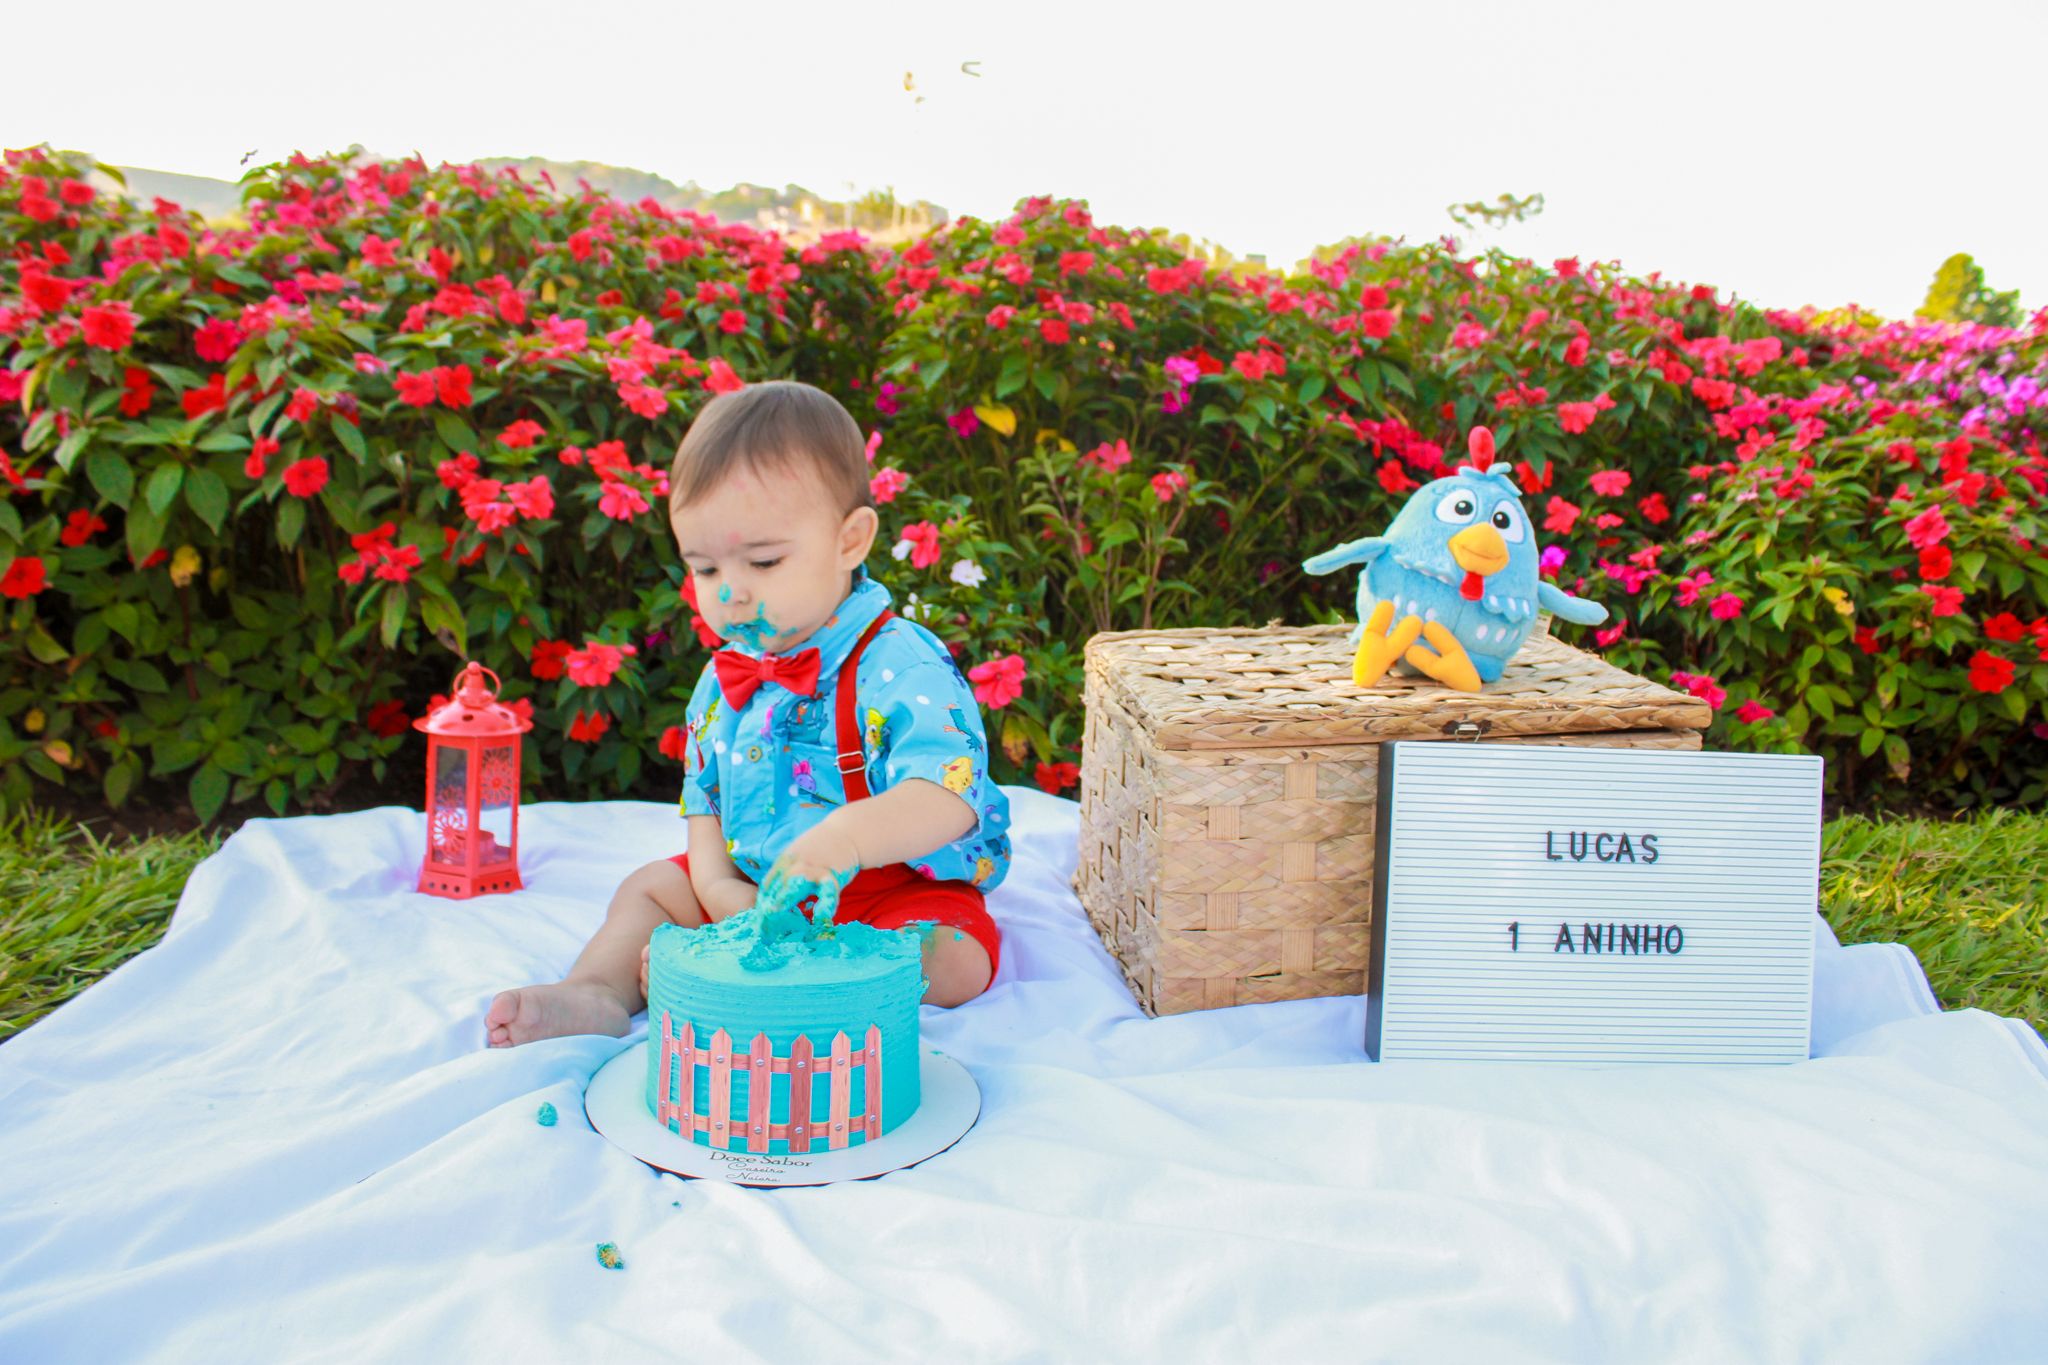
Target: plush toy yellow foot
[1377,649]
[1451,666]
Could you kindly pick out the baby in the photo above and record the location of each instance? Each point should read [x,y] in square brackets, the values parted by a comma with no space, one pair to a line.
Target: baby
[836,759]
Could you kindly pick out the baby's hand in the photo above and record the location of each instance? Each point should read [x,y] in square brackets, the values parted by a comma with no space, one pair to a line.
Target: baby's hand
[645,949]
[817,864]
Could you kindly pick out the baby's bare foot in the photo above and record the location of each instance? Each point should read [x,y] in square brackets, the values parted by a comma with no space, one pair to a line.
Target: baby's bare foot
[535,1012]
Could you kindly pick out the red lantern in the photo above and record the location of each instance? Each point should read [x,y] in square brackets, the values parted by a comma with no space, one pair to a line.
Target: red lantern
[472,791]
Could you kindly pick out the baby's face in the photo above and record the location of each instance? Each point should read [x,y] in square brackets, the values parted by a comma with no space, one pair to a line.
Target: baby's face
[771,555]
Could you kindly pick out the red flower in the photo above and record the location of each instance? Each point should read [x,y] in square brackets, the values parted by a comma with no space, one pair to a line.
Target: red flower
[621,502]
[547,658]
[1947,601]
[458,473]
[46,292]
[1936,561]
[1653,509]
[1054,330]
[589,729]
[379,253]
[1988,672]
[441,264]
[1376,322]
[998,682]
[1395,479]
[1560,516]
[1751,712]
[920,543]
[2004,626]
[1575,353]
[733,321]
[643,399]
[76,193]
[1000,315]
[386,718]
[24,577]
[710,638]
[674,743]
[212,398]
[453,386]
[137,391]
[304,403]
[512,307]
[1866,639]
[81,526]
[1056,777]
[611,298]
[416,389]
[1929,528]
[521,434]
[1525,473]
[535,498]
[109,326]
[1076,262]
[596,663]
[1167,484]
[1611,483]
[719,378]
[306,477]
[264,448]
[887,483]
[1726,607]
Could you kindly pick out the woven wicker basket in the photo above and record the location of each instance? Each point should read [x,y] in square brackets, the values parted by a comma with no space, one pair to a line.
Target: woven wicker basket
[1227,788]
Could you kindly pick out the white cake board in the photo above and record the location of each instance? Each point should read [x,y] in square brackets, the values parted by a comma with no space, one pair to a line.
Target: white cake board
[616,1103]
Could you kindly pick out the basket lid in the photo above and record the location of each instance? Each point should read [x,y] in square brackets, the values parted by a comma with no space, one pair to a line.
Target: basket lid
[1288,686]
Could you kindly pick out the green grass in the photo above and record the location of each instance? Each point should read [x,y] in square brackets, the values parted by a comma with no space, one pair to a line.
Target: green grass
[73,907]
[1970,897]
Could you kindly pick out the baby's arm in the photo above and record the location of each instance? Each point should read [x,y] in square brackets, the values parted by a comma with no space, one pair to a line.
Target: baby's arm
[720,888]
[910,820]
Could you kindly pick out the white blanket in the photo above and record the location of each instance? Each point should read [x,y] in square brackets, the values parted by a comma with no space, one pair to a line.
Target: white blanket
[278,1136]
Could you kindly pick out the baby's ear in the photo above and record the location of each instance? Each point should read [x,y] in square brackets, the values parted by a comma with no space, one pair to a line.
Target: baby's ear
[857,536]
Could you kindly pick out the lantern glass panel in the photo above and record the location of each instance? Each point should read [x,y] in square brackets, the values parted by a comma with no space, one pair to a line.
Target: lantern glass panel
[498,799]
[448,821]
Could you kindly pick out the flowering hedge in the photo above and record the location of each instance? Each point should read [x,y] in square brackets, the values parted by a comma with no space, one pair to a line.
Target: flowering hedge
[267,487]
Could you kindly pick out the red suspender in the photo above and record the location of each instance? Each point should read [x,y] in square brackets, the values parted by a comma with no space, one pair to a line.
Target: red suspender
[853,764]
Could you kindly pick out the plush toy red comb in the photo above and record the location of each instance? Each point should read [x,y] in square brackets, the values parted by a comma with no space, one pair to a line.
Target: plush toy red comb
[1480,443]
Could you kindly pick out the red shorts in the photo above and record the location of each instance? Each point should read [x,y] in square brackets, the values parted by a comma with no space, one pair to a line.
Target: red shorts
[891,897]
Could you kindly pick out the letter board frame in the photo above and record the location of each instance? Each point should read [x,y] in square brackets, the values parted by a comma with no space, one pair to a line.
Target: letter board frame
[1462,856]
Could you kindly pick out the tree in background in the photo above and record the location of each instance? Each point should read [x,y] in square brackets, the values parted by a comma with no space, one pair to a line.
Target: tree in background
[1959,294]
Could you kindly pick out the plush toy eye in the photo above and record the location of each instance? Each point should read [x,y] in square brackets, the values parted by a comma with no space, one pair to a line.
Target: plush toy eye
[1456,507]
[1507,519]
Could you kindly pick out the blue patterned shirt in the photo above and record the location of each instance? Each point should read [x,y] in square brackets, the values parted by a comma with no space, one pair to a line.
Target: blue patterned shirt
[771,771]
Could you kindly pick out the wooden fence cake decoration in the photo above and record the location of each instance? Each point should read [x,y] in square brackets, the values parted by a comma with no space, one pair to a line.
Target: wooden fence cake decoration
[680,1058]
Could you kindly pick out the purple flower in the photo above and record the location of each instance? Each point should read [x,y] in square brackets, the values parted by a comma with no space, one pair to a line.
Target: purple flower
[964,422]
[1553,559]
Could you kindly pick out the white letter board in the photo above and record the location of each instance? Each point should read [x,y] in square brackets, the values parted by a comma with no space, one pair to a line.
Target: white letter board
[1512,922]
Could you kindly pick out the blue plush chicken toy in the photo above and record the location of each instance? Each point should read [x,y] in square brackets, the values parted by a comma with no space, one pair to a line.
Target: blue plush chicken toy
[1458,569]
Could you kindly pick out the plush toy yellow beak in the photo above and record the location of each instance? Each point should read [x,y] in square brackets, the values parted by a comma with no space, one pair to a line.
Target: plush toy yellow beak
[1479,549]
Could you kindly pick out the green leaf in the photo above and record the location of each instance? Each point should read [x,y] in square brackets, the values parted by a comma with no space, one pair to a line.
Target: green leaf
[1047,383]
[140,674]
[291,520]
[162,488]
[1311,389]
[350,438]
[145,532]
[1348,386]
[394,613]
[206,495]
[10,522]
[456,432]
[1971,563]
[439,615]
[1265,408]
[43,647]
[223,438]
[111,475]
[209,792]
[120,780]
[68,448]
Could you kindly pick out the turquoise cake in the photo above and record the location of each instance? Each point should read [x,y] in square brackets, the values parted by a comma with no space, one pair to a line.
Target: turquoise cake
[806,990]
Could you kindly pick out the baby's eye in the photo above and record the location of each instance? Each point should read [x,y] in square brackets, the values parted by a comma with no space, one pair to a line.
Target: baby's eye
[703,573]
[766,563]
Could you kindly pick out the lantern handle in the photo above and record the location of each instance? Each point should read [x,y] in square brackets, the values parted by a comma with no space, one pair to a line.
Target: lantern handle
[455,687]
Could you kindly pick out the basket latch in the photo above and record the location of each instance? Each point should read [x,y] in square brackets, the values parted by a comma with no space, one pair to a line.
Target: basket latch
[1467,730]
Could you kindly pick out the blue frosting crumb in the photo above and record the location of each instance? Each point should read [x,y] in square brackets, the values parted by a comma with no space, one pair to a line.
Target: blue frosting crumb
[546,1118]
[608,1256]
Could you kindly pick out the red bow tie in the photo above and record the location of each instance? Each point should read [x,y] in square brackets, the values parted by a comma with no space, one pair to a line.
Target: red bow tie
[739,676]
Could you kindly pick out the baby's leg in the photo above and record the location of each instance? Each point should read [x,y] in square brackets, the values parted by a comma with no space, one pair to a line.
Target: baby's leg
[602,992]
[956,967]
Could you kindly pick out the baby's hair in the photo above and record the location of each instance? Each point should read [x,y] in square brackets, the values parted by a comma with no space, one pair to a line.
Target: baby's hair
[768,428]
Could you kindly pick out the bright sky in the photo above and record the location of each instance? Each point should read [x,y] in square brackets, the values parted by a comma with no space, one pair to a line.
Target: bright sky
[1791,152]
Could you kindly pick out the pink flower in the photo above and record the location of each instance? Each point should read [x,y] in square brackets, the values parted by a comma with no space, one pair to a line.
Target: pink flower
[1009,234]
[1054,330]
[596,663]
[306,477]
[1703,687]
[1947,601]
[535,498]
[1929,528]
[732,321]
[1689,589]
[1575,353]
[264,448]
[621,502]
[887,483]
[451,383]
[379,253]
[1167,484]
[920,543]
[1726,607]
[366,363]
[1467,334]
[304,403]
[998,682]
[458,473]
[964,423]
[1610,483]
[1612,633]
[647,401]
[1576,417]
[416,389]
[719,378]
[1377,322]
[1000,315]
[1751,712]
[217,340]
[521,434]
[1560,516]
[1109,458]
